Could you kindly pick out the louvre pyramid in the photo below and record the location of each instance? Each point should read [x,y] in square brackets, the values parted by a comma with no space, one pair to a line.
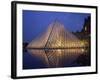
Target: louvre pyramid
[56,36]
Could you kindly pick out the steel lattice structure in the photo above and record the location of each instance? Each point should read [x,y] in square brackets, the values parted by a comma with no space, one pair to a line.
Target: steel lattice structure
[55,45]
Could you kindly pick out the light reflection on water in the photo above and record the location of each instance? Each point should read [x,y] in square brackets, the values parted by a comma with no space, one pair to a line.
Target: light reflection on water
[53,58]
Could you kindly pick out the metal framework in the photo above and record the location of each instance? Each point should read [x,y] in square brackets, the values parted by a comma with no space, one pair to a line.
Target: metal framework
[56,45]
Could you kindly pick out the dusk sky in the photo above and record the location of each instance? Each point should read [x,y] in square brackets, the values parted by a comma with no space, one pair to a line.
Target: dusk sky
[36,22]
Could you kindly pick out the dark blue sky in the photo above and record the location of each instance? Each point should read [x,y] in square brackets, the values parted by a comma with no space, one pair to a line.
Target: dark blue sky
[36,22]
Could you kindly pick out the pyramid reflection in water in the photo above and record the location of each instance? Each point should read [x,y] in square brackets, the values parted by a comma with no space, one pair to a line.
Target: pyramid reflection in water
[57,46]
[57,57]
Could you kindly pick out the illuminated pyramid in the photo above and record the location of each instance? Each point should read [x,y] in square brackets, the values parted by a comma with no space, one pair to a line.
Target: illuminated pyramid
[56,36]
[56,45]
